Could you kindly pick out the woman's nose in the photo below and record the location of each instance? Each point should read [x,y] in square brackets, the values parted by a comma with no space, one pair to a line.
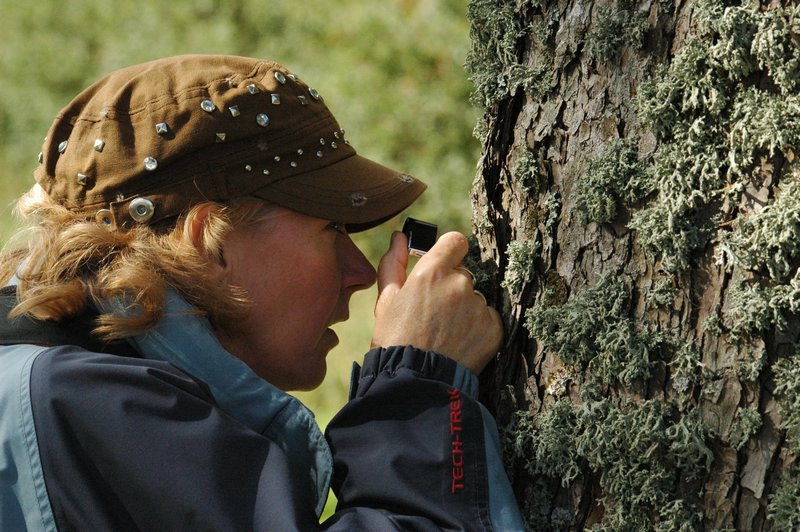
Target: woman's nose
[357,272]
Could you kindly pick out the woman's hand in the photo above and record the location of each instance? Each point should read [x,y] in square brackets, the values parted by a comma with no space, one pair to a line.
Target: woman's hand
[435,307]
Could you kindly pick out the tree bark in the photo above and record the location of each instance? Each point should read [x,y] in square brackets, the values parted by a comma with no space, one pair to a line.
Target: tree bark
[639,226]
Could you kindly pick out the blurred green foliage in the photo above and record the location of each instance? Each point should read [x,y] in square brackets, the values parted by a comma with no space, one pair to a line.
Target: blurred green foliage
[391,71]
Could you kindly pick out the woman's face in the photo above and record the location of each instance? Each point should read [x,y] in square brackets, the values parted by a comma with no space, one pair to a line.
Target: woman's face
[299,272]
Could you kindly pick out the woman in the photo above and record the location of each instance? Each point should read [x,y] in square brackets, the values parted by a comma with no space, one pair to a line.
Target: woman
[188,249]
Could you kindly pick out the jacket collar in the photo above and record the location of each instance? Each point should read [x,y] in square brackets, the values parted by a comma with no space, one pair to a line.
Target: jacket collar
[76,330]
[185,338]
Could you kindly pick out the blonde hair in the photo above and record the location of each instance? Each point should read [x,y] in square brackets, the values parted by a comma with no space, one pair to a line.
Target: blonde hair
[64,262]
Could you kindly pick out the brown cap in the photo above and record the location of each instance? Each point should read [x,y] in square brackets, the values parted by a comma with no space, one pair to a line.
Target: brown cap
[147,142]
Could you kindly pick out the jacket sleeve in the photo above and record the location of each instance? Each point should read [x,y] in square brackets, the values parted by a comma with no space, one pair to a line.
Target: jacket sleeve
[415,442]
[131,444]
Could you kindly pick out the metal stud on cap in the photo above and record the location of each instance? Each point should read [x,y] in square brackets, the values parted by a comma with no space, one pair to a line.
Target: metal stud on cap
[358,199]
[207,106]
[41,157]
[141,210]
[221,137]
[280,77]
[99,144]
[276,99]
[262,120]
[150,163]
[253,88]
[234,109]
[62,146]
[82,179]
[104,216]
[162,128]
[313,92]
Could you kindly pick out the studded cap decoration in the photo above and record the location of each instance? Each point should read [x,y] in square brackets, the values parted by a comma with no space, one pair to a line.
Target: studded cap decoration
[149,141]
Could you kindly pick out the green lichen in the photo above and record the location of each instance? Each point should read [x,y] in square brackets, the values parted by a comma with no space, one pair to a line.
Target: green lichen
[750,363]
[521,264]
[527,173]
[544,28]
[685,364]
[787,378]
[552,202]
[668,235]
[534,80]
[677,516]
[642,449]
[546,442]
[594,333]
[762,125]
[494,31]
[663,293]
[776,49]
[769,241]
[712,325]
[716,119]
[612,29]
[493,63]
[641,452]
[750,311]
[784,504]
[540,512]
[745,424]
[481,221]
[756,307]
[644,452]
[615,177]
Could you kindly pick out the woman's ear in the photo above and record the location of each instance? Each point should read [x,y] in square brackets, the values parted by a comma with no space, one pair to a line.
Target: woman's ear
[199,232]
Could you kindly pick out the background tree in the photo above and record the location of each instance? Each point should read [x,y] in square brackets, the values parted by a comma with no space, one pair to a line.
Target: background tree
[638,209]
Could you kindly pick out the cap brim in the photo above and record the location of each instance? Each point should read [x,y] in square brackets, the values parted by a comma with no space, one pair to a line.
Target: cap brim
[355,191]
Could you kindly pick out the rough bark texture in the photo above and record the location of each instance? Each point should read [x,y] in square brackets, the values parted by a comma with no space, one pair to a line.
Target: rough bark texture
[639,225]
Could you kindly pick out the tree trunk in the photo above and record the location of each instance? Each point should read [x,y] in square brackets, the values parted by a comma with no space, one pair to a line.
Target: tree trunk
[637,210]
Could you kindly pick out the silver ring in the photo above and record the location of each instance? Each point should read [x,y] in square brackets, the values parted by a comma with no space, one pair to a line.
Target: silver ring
[482,297]
[467,272]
